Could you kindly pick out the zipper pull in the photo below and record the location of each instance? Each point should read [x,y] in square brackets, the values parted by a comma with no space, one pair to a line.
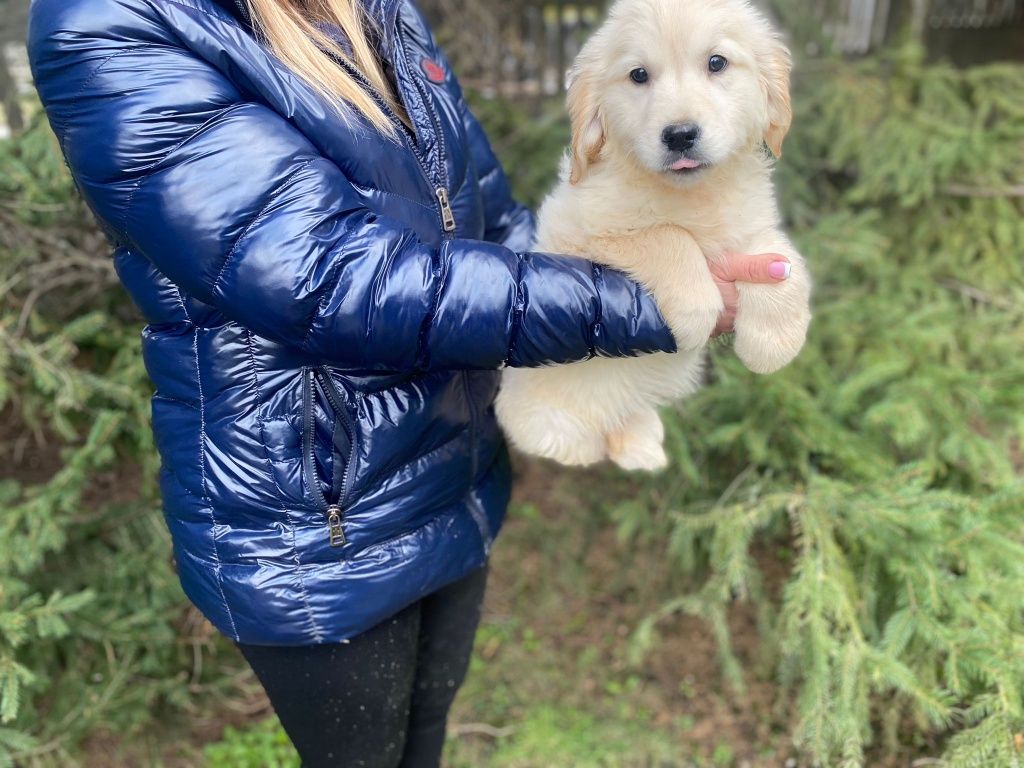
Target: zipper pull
[334,522]
[447,217]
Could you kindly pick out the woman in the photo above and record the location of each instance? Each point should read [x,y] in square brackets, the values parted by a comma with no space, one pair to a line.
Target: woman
[333,271]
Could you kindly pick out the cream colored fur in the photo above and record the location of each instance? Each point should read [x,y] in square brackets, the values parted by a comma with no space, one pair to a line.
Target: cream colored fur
[619,203]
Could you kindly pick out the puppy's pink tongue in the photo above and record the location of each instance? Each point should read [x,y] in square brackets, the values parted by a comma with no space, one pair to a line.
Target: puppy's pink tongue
[685,164]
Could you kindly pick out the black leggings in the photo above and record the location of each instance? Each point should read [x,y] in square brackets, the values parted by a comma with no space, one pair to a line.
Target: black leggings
[381,699]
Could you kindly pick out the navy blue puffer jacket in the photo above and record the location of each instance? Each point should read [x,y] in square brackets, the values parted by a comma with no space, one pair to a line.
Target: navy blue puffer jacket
[327,309]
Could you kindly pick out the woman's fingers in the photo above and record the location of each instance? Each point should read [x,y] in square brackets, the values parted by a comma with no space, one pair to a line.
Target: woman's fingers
[757,268]
[738,268]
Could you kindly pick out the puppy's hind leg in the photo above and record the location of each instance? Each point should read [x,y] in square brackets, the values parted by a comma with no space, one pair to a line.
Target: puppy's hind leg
[639,444]
[556,434]
[569,441]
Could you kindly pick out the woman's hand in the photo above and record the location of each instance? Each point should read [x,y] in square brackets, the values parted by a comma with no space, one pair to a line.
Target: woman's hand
[766,268]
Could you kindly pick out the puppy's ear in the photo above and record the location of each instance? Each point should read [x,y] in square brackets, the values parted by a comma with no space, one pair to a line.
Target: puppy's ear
[776,65]
[587,124]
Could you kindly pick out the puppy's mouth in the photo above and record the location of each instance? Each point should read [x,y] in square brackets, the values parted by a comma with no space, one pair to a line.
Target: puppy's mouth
[685,166]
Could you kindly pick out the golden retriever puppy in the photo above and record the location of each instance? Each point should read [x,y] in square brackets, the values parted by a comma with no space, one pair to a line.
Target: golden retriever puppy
[672,104]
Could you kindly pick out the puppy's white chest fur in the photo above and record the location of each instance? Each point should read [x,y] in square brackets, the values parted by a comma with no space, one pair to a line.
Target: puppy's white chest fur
[730,209]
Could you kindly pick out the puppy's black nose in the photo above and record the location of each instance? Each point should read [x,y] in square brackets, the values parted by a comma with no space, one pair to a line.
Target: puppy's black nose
[680,138]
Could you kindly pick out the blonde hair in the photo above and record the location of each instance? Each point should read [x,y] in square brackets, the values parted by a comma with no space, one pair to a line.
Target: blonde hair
[291,28]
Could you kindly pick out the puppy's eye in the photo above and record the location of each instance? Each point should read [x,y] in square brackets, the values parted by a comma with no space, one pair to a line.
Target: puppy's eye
[639,76]
[717,63]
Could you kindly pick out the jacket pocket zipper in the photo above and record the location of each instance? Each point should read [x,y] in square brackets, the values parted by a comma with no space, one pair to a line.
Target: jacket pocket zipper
[333,510]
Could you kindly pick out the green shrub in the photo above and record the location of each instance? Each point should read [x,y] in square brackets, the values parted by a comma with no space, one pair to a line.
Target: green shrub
[887,459]
[91,614]
[529,139]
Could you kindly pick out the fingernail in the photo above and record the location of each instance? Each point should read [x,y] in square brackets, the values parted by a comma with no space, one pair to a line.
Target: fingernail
[780,270]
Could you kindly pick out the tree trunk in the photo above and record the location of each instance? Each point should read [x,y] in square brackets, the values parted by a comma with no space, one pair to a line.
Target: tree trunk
[9,95]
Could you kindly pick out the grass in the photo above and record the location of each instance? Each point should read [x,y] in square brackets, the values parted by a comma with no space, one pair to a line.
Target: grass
[264,745]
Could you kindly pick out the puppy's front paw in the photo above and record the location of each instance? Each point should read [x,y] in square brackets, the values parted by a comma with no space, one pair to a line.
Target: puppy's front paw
[638,446]
[767,344]
[692,326]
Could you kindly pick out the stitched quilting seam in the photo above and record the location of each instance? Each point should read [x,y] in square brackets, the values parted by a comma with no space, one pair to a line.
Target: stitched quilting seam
[517,310]
[88,81]
[363,188]
[598,309]
[439,257]
[271,199]
[206,493]
[321,300]
[163,158]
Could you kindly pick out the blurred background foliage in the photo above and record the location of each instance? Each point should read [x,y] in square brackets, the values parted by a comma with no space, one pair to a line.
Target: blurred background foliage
[832,572]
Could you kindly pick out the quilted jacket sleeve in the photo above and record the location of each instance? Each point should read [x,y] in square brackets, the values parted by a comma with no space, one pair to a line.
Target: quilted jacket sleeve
[240,210]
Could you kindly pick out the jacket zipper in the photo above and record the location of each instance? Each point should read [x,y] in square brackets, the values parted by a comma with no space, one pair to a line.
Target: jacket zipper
[243,9]
[333,511]
[340,409]
[446,215]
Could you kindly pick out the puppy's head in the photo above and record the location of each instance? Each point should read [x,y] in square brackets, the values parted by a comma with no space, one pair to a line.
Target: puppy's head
[679,86]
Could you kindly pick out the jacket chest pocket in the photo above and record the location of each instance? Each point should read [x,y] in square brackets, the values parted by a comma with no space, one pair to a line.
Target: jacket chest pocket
[328,491]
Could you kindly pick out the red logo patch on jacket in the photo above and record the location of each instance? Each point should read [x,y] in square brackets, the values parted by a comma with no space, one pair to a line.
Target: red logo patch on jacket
[433,71]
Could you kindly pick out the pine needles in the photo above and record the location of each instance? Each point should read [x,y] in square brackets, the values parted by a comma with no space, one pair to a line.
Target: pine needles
[89,604]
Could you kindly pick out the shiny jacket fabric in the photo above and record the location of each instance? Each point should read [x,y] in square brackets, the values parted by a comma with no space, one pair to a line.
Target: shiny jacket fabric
[324,339]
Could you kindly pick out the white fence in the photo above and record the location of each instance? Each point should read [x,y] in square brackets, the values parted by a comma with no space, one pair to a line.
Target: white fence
[521,48]
[859,26]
